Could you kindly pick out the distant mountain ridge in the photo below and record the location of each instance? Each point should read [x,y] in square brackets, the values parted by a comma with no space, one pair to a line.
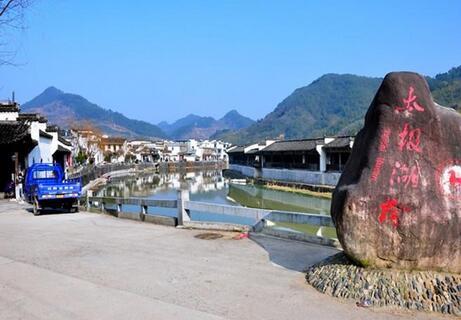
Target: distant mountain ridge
[334,104]
[68,110]
[198,127]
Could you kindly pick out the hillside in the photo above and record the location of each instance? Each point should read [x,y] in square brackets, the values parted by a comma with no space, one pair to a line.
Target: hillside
[333,105]
[67,110]
[446,88]
[197,127]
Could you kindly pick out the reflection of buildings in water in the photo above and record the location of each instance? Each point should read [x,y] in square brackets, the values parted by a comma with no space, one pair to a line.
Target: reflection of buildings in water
[132,186]
[198,181]
[145,185]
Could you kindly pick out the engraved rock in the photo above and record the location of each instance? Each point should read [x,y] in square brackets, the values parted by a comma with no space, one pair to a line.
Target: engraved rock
[398,201]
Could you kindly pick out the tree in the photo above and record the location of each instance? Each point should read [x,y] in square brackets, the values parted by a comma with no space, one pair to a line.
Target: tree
[11,17]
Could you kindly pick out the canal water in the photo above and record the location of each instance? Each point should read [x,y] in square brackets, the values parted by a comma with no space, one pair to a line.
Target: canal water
[211,186]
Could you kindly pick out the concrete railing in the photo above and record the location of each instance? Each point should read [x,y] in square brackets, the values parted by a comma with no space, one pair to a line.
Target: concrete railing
[263,217]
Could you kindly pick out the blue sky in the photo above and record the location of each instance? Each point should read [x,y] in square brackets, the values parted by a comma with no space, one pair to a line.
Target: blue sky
[161,60]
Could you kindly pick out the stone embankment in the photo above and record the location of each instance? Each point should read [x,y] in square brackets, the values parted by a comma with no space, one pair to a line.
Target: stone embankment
[191,166]
[416,290]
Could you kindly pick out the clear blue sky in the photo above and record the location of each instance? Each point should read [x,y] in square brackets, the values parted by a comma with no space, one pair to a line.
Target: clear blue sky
[160,60]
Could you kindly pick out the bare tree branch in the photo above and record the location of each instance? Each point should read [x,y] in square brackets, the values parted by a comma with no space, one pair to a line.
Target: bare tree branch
[11,17]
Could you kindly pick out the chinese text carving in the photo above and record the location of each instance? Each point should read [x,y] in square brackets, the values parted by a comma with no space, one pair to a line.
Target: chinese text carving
[410,103]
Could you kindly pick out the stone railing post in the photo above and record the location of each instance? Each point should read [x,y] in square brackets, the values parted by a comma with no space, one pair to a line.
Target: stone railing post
[183,214]
[89,194]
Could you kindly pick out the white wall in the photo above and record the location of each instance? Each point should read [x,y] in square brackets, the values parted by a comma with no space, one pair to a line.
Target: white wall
[289,175]
[8,116]
[42,152]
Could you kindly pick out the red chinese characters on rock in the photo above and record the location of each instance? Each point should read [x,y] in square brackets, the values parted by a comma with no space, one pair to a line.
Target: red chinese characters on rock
[379,163]
[410,139]
[384,140]
[403,175]
[410,103]
[391,210]
[377,169]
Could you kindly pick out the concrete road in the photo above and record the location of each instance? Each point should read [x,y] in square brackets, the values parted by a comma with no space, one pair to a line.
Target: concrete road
[90,266]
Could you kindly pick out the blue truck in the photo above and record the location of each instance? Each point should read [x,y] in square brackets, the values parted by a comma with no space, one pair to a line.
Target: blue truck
[45,186]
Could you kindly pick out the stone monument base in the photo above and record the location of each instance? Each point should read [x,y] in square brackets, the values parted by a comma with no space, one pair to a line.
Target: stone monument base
[417,290]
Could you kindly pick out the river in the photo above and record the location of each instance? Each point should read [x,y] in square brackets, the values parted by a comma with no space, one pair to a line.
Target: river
[211,186]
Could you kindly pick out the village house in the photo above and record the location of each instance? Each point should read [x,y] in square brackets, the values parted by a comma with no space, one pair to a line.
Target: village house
[25,139]
[87,146]
[317,161]
[142,151]
[114,149]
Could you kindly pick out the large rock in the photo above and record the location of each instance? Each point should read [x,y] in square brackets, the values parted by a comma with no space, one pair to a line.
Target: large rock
[398,201]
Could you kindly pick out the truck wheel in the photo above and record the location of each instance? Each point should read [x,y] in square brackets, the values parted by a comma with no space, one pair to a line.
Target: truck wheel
[36,209]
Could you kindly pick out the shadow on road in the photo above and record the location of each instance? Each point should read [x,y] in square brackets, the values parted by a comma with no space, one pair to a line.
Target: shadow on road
[292,255]
[45,212]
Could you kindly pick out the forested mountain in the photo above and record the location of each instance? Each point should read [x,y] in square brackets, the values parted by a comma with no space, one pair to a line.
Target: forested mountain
[197,127]
[333,105]
[446,88]
[328,105]
[68,110]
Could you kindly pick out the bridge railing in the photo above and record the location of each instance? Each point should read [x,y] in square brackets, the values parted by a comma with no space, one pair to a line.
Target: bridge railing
[264,219]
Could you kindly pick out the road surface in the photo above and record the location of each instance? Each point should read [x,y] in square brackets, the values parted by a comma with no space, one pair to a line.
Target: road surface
[92,266]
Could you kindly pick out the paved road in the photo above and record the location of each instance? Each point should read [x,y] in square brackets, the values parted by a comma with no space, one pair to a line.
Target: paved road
[90,266]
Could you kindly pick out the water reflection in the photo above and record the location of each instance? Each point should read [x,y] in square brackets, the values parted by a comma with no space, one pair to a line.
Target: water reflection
[154,185]
[260,197]
[211,186]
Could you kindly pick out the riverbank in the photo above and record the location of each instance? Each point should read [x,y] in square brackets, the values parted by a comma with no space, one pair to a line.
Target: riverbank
[298,188]
[191,166]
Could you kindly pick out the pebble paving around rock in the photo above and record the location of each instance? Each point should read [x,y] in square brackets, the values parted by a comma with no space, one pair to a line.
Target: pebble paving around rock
[417,290]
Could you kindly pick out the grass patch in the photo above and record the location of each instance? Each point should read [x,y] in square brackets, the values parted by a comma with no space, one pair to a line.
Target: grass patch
[326,195]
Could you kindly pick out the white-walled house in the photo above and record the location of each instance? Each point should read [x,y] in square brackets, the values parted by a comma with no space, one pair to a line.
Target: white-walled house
[26,138]
[88,143]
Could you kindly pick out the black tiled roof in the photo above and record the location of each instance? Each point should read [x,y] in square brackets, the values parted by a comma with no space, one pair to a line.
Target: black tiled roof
[252,151]
[293,145]
[29,116]
[42,119]
[238,149]
[52,128]
[13,131]
[43,134]
[64,141]
[62,149]
[341,142]
[9,107]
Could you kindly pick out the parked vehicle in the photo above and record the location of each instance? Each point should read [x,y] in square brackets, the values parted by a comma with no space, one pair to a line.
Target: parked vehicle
[45,186]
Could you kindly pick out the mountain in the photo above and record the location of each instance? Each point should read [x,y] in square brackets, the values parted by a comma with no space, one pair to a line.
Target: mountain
[235,121]
[68,110]
[334,104]
[198,127]
[326,106]
[446,88]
